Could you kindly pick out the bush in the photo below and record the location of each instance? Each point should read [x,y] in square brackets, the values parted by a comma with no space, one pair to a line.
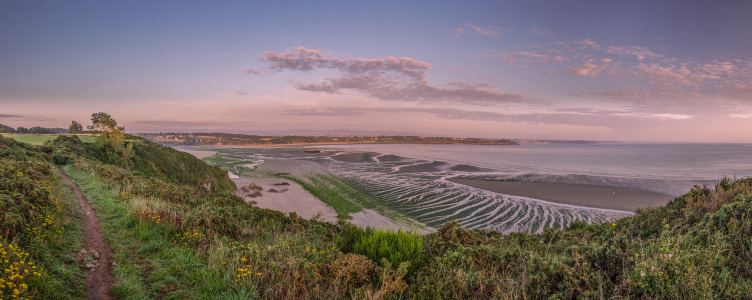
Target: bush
[396,247]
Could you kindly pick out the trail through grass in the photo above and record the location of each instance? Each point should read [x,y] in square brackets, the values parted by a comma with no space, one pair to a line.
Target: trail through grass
[148,264]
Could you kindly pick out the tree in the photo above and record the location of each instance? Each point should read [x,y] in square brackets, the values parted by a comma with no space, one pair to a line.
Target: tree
[6,129]
[112,136]
[75,127]
[101,122]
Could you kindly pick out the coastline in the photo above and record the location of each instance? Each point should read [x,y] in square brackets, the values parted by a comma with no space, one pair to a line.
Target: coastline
[615,198]
[300,200]
[200,154]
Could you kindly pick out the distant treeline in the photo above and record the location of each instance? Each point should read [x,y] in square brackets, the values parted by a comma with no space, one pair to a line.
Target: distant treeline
[556,142]
[35,129]
[202,138]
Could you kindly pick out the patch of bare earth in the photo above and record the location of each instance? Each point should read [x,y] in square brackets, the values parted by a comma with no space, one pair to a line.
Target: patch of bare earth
[96,255]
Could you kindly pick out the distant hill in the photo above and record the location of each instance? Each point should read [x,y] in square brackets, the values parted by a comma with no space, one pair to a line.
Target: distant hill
[211,139]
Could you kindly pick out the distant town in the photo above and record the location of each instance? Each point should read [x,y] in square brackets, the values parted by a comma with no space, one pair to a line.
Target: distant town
[219,139]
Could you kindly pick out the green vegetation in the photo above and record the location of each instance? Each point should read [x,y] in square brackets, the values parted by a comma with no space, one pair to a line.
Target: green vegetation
[36,139]
[33,130]
[150,160]
[173,238]
[399,249]
[75,127]
[39,228]
[335,192]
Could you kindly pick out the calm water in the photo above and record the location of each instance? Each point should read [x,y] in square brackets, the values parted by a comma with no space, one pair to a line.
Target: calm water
[413,178]
[666,168]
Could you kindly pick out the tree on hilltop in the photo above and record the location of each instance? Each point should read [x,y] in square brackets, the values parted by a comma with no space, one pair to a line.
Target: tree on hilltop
[75,127]
[102,122]
[113,136]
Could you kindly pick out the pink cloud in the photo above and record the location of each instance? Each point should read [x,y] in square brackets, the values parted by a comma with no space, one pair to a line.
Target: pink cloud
[493,31]
[548,72]
[388,78]
[524,58]
[587,69]
[639,52]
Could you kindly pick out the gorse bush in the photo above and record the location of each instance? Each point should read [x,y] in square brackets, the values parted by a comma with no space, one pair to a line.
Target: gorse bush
[396,247]
[37,238]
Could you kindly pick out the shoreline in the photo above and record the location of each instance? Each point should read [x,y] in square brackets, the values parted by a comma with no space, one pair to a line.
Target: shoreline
[301,201]
[325,144]
[615,198]
[200,154]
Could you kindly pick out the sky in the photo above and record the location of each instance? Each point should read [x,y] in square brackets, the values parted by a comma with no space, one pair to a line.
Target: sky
[655,71]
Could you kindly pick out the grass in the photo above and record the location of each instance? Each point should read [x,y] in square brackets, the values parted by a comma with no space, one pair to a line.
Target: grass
[39,139]
[149,264]
[40,230]
[334,192]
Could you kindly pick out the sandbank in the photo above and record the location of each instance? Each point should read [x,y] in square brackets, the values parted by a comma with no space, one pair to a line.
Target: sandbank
[575,194]
[302,202]
[295,199]
[371,218]
[200,154]
[293,167]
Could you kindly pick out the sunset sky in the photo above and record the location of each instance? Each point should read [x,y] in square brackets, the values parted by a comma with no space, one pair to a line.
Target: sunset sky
[595,70]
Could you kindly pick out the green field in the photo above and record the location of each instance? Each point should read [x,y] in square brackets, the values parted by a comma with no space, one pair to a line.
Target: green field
[38,139]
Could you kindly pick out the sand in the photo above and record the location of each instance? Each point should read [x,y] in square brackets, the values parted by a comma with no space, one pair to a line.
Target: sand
[372,218]
[200,154]
[293,167]
[304,203]
[575,194]
[295,199]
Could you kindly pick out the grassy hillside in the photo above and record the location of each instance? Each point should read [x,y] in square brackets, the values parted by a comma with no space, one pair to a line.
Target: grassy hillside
[149,159]
[180,241]
[39,228]
[39,139]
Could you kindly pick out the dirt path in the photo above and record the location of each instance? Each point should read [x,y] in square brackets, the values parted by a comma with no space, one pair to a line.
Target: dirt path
[96,253]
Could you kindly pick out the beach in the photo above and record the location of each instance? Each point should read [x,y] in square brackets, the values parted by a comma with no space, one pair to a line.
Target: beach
[294,199]
[200,154]
[575,194]
[302,202]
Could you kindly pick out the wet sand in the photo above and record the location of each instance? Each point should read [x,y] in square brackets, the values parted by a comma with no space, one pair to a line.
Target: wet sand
[295,199]
[200,154]
[575,194]
[302,202]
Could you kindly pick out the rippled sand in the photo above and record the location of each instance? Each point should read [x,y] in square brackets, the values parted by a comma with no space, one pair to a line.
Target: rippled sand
[575,194]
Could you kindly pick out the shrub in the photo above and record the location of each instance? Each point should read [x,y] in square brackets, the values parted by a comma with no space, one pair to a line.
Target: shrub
[396,247]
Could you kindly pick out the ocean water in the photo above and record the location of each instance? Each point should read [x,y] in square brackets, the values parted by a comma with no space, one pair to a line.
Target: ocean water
[413,179]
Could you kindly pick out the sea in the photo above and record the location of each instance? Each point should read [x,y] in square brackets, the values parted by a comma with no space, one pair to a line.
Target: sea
[414,179]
